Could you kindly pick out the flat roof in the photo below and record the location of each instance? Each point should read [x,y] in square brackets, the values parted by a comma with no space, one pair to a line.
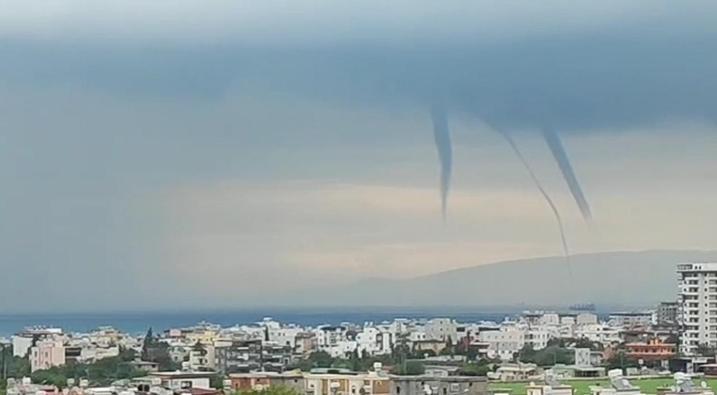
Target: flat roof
[266,375]
[464,379]
[180,374]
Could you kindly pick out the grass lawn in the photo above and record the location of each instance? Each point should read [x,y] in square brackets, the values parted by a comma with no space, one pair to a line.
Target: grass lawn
[582,387]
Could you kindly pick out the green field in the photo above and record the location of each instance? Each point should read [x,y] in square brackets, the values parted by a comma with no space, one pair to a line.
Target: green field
[582,387]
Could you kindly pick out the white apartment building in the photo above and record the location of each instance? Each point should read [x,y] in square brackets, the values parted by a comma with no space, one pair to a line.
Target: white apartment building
[586,319]
[635,319]
[600,332]
[22,341]
[503,343]
[329,336]
[697,300]
[538,336]
[442,329]
[374,341]
[285,336]
[550,319]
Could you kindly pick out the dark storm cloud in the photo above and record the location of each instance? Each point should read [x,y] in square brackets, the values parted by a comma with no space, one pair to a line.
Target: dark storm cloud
[577,82]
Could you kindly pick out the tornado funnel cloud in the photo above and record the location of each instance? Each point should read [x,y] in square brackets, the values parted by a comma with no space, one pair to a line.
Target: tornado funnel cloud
[539,186]
[442,135]
[561,157]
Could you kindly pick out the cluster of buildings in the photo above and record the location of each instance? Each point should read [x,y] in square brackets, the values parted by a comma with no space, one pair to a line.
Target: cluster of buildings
[275,347]
[315,382]
[48,347]
[269,351]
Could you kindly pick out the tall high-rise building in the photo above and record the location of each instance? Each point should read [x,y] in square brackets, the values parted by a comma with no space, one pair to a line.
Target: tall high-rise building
[697,299]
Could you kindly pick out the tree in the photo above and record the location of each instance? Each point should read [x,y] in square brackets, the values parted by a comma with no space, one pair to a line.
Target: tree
[101,372]
[53,376]
[321,359]
[216,381]
[127,354]
[475,369]
[147,344]
[547,356]
[584,342]
[449,349]
[12,366]
[620,360]
[157,351]
[410,368]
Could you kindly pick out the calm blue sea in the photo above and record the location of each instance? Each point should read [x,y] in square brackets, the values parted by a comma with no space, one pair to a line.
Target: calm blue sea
[138,322]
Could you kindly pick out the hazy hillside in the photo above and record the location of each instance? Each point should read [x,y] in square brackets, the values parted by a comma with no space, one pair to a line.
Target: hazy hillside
[607,279]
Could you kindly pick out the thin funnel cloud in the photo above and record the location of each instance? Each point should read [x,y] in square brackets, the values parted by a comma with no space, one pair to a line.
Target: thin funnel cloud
[539,185]
[561,158]
[442,135]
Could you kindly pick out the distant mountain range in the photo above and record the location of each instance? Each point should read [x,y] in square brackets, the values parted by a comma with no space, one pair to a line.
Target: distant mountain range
[609,280]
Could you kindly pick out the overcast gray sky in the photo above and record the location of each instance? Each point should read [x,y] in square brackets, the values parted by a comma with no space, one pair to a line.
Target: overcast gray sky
[194,153]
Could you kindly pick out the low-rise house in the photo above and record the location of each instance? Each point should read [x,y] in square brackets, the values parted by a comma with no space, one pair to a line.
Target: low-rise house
[441,370]
[306,343]
[429,345]
[549,388]
[147,366]
[636,319]
[182,380]
[515,372]
[651,350]
[258,381]
[336,382]
[431,385]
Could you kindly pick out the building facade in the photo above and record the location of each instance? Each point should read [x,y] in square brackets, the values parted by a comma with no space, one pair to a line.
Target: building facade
[697,305]
[46,354]
[667,313]
[450,385]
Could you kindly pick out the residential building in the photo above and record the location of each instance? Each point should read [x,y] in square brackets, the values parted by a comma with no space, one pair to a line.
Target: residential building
[515,372]
[586,319]
[549,389]
[183,380]
[306,343]
[21,342]
[667,313]
[434,346]
[601,333]
[503,343]
[635,319]
[447,385]
[238,356]
[538,336]
[444,329]
[697,305]
[335,382]
[258,381]
[652,350]
[250,355]
[47,353]
[329,336]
